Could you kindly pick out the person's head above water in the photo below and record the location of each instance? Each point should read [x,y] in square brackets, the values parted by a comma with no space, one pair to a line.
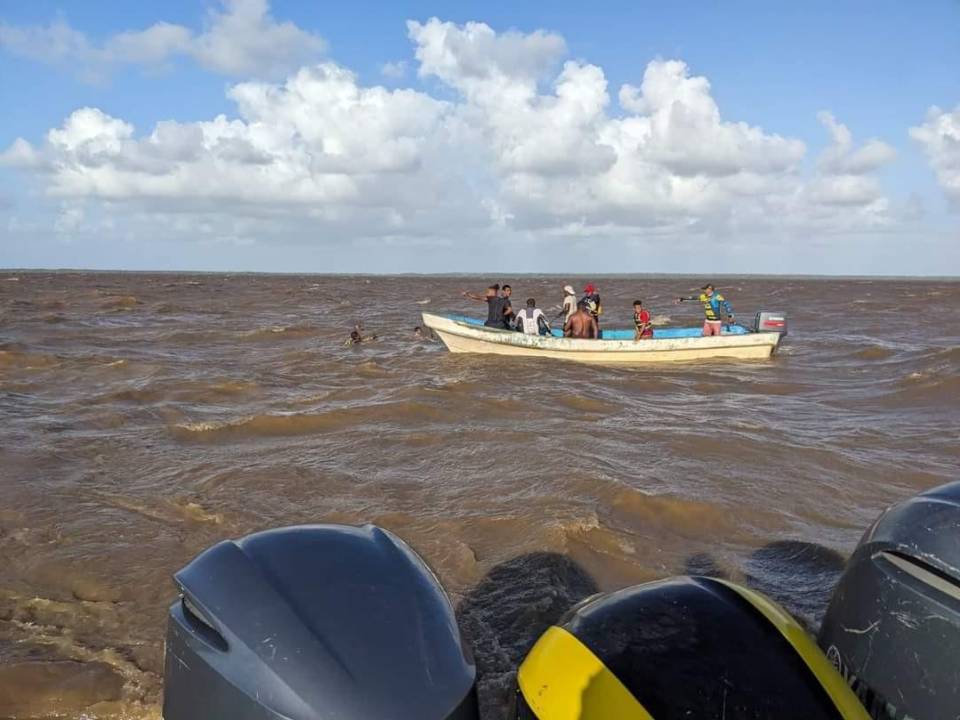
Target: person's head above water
[590,289]
[638,303]
[583,306]
[355,337]
[531,302]
[708,289]
[507,291]
[492,291]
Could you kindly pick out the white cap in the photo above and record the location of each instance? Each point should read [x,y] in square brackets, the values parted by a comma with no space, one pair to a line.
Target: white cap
[568,289]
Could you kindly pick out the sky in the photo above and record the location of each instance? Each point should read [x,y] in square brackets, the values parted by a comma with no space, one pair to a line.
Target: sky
[625,137]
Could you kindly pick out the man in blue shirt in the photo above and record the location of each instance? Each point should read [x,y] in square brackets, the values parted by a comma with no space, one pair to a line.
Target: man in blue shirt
[715,306]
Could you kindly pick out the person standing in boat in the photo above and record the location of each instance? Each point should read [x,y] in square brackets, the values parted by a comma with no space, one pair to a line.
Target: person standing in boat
[591,297]
[497,309]
[582,324]
[569,303]
[715,307]
[641,321]
[511,317]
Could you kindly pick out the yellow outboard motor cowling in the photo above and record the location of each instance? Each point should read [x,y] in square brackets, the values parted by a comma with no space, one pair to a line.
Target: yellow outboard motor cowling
[683,648]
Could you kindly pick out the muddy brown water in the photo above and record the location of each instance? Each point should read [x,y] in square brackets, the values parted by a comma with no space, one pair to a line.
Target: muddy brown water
[144,417]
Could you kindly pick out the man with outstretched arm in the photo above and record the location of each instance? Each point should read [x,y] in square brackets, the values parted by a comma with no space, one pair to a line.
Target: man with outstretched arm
[715,306]
[497,307]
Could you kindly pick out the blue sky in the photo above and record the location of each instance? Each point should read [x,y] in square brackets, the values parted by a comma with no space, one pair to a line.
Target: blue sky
[876,67]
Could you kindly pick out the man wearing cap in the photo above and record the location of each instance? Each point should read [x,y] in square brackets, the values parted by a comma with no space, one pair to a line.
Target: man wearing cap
[569,302]
[715,306]
[591,298]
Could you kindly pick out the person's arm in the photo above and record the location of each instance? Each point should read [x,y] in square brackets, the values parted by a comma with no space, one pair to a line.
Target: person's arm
[474,296]
[594,327]
[727,308]
[567,328]
[540,317]
[687,298]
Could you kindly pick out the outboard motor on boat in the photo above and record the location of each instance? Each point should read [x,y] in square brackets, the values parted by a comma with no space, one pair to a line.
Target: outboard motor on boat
[689,647]
[313,623]
[770,322]
[893,624]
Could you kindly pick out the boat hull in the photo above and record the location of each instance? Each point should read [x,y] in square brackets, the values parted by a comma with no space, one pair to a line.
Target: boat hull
[462,337]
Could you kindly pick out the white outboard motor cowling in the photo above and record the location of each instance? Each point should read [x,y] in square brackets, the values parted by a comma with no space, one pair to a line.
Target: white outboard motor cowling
[770,322]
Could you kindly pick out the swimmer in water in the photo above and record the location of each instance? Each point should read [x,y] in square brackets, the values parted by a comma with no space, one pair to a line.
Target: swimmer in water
[356,336]
[420,333]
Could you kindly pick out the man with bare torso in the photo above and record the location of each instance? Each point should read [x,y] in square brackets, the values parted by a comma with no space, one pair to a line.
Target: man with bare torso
[582,324]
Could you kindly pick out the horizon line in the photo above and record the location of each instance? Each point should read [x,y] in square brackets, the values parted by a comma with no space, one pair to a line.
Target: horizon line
[300,273]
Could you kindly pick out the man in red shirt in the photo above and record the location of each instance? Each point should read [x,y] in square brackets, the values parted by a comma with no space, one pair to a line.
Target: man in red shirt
[641,320]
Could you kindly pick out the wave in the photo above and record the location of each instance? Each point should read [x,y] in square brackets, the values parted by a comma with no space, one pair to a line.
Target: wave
[27,361]
[119,302]
[78,669]
[284,331]
[874,353]
[293,424]
[169,512]
[586,405]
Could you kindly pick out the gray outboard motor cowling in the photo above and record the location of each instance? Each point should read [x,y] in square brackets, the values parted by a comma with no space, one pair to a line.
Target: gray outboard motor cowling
[766,321]
[893,624]
[314,623]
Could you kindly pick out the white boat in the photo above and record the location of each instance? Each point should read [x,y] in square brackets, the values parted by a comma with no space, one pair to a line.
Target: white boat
[469,335]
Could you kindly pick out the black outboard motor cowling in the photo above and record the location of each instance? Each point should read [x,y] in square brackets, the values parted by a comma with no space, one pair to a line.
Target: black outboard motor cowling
[893,624]
[314,623]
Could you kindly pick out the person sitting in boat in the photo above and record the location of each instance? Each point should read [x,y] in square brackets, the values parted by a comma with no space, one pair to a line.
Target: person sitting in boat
[497,309]
[506,292]
[531,320]
[641,321]
[715,306]
[591,296]
[582,324]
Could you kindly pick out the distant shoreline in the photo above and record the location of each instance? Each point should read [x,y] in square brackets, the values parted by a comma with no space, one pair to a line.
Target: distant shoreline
[485,274]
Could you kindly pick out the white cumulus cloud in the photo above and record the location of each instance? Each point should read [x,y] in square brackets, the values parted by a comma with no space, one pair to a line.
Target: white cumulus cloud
[532,142]
[940,138]
[240,39]
[842,159]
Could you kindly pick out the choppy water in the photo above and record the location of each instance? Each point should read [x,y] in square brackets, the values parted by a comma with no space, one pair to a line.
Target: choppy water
[144,417]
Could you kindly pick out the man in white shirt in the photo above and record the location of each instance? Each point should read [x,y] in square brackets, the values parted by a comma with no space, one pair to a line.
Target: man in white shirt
[530,318]
[569,302]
